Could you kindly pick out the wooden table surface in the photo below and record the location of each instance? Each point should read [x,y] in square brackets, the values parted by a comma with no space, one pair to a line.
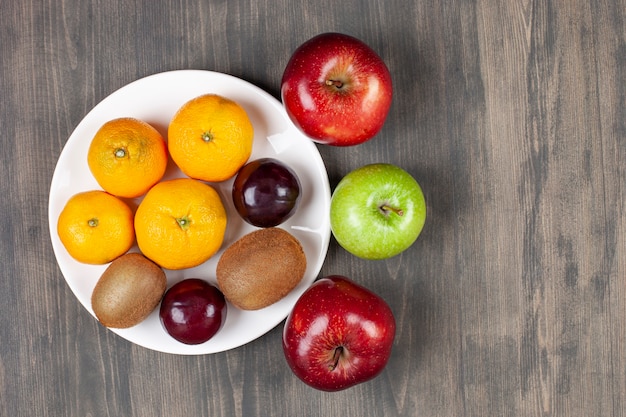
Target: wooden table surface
[510,114]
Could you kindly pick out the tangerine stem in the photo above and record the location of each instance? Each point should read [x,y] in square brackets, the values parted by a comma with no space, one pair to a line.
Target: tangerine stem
[92,222]
[183,222]
[207,136]
[120,152]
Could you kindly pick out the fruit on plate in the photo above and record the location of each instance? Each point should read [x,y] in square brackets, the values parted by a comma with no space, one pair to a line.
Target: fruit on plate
[193,311]
[127,156]
[180,223]
[96,227]
[261,268]
[337,90]
[377,211]
[128,291]
[339,334]
[210,137]
[266,192]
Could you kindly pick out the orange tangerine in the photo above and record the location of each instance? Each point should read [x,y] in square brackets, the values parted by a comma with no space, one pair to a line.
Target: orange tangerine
[127,156]
[180,223]
[96,227]
[210,137]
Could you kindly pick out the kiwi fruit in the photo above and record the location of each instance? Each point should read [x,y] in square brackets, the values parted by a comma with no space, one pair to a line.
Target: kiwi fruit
[128,291]
[260,268]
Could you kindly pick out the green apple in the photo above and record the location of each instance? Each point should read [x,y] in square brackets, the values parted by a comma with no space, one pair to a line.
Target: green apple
[377,211]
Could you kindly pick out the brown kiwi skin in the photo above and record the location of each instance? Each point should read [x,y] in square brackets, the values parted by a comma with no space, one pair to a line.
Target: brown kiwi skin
[260,268]
[128,291]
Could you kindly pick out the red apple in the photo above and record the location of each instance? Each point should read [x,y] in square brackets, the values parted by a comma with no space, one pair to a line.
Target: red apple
[337,90]
[339,334]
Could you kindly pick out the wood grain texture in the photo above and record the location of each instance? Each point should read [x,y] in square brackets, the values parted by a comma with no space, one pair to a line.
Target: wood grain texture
[511,114]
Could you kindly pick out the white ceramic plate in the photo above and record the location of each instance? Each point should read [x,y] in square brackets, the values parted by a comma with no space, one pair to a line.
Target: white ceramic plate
[155,99]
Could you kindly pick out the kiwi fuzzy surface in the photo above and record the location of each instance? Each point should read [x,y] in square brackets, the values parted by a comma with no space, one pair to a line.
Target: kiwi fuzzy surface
[261,268]
[128,291]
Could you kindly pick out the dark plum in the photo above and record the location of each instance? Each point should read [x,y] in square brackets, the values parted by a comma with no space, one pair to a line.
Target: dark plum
[193,311]
[266,192]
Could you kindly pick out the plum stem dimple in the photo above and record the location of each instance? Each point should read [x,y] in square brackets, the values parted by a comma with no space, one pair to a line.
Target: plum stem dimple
[386,208]
[336,355]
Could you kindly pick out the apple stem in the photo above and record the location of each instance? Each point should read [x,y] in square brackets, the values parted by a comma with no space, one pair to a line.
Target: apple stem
[335,83]
[336,356]
[387,208]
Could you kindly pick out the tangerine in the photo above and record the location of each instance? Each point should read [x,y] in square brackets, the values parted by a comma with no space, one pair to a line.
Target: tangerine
[180,223]
[127,157]
[96,227]
[210,138]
